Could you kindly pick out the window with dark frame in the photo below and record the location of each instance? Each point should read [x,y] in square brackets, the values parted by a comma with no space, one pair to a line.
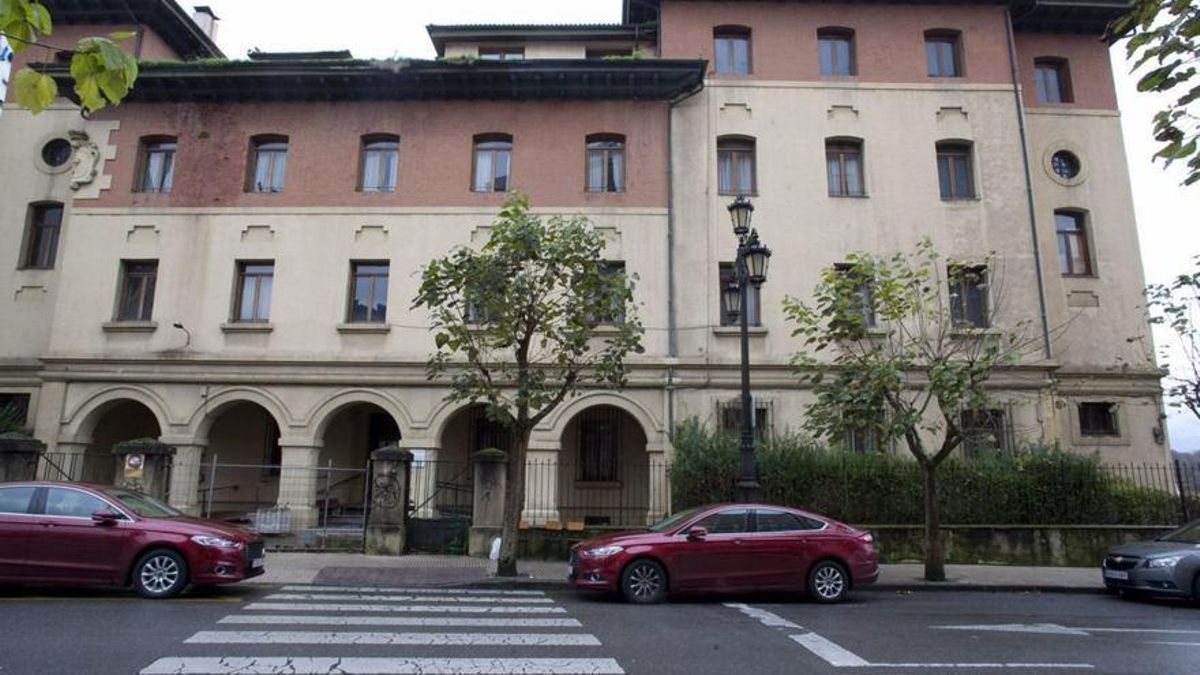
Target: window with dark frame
[43,226]
[943,53]
[269,163]
[255,280]
[380,161]
[736,166]
[863,440]
[605,163]
[501,53]
[368,291]
[731,50]
[615,313]
[599,445]
[1065,164]
[1098,418]
[954,165]
[492,163]
[861,303]
[1074,258]
[844,167]
[727,274]
[968,296]
[836,52]
[138,281]
[15,407]
[157,164]
[730,416]
[771,520]
[984,432]
[727,521]
[1052,77]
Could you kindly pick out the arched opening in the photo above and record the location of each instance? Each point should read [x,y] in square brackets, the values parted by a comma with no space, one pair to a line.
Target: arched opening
[121,420]
[241,464]
[467,432]
[604,473]
[350,435]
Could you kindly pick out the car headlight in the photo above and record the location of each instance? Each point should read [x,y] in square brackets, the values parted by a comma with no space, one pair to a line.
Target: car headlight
[1165,561]
[603,551]
[215,542]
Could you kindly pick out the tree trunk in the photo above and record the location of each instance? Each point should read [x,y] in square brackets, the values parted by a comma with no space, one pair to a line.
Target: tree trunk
[514,503]
[935,567]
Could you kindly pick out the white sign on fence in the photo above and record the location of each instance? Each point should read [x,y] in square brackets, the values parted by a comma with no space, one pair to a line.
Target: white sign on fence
[6,56]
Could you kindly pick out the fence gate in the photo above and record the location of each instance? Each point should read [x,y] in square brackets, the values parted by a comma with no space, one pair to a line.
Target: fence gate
[442,496]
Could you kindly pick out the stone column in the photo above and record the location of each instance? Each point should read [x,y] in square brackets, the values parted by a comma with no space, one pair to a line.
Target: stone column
[487,514]
[144,464]
[298,485]
[184,490]
[387,524]
[659,492]
[541,488]
[424,481]
[19,456]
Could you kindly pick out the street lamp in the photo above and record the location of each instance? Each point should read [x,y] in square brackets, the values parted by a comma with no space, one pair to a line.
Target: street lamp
[751,265]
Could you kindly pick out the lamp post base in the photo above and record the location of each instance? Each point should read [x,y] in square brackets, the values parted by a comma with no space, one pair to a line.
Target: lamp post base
[749,491]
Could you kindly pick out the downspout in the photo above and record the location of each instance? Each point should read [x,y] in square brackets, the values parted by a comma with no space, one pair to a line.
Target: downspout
[1037,255]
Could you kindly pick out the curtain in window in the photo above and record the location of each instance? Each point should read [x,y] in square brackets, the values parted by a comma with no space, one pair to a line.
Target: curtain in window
[854,184]
[725,173]
[502,161]
[483,171]
[596,171]
[616,167]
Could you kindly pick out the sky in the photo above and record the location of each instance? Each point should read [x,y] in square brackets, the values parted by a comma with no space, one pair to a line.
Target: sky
[1167,214]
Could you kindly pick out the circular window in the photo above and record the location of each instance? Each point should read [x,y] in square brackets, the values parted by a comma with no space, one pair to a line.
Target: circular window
[56,152]
[1065,164]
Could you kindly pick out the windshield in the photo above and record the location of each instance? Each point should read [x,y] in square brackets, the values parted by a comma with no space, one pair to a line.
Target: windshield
[1188,534]
[143,505]
[671,522]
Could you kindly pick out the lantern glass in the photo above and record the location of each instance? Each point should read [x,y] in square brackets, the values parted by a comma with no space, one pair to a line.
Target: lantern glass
[740,213]
[757,257]
[731,299]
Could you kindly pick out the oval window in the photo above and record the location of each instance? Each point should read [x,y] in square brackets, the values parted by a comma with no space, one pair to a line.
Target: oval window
[56,152]
[1065,164]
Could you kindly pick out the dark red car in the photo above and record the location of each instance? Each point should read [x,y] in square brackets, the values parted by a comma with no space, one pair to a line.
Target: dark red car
[73,533]
[728,548]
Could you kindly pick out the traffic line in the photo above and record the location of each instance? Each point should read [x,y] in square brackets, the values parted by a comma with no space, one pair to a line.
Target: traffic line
[386,589]
[958,666]
[304,619]
[216,637]
[411,609]
[1056,629]
[833,653]
[407,598]
[250,665]
[1178,644]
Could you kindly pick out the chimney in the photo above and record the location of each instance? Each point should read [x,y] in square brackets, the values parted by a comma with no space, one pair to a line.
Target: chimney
[204,17]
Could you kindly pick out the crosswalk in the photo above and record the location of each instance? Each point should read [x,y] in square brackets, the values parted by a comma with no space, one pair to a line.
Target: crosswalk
[393,631]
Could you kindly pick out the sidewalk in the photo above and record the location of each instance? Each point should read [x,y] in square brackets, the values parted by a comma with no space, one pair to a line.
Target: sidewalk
[352,569]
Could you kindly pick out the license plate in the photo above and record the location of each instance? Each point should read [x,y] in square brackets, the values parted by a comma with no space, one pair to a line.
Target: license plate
[1116,574]
[257,563]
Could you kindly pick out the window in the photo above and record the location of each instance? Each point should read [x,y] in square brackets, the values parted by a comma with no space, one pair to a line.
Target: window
[943,53]
[157,164]
[15,408]
[859,310]
[728,275]
[1065,164]
[57,152]
[73,503]
[729,521]
[368,292]
[493,163]
[615,313]
[269,163]
[984,432]
[605,163]
[769,520]
[254,282]
[501,53]
[968,296]
[735,165]
[836,52]
[1098,419]
[138,279]
[1053,79]
[844,167]
[380,157]
[954,170]
[730,414]
[592,53]
[862,440]
[599,444]
[43,225]
[15,499]
[731,46]
[1073,256]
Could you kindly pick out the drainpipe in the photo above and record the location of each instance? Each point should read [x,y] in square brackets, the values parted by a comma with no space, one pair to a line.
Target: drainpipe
[1037,256]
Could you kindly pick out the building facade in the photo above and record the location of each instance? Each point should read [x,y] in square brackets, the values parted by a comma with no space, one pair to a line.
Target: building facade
[226,260]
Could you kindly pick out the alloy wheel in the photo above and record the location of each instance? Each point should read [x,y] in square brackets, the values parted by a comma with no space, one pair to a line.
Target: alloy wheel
[644,582]
[828,582]
[159,574]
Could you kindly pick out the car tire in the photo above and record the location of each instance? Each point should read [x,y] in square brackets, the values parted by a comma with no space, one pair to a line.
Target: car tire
[644,582]
[160,574]
[828,582]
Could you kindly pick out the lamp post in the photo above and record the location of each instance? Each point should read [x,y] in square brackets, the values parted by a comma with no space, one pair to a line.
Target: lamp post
[751,269]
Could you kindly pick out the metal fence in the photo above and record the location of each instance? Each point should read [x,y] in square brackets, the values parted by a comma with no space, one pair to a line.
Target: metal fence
[84,467]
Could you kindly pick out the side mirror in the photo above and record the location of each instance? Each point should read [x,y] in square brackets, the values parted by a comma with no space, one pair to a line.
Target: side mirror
[104,517]
[697,533]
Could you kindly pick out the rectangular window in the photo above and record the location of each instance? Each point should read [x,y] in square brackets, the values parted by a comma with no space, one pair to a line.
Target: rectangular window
[1073,255]
[41,235]
[380,157]
[158,165]
[493,164]
[14,409]
[954,171]
[728,275]
[270,164]
[1098,419]
[968,296]
[860,305]
[844,168]
[836,49]
[501,53]
[599,445]
[862,440]
[1053,81]
[253,303]
[368,292]
[730,413]
[732,49]
[138,280]
[606,164]
[616,313]
[942,54]
[735,167]
[984,432]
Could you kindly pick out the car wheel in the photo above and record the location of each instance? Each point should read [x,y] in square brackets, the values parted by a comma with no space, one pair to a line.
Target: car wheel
[160,574]
[828,582]
[644,582]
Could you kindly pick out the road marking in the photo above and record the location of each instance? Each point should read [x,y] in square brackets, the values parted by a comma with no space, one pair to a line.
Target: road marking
[1178,644]
[1024,666]
[213,637]
[385,589]
[764,617]
[406,598]
[250,665]
[398,621]
[833,654]
[1043,628]
[1141,630]
[422,609]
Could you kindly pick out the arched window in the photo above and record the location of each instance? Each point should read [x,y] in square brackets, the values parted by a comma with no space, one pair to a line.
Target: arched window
[731,50]
[836,51]
[268,163]
[380,158]
[955,170]
[492,166]
[605,163]
[844,167]
[736,165]
[43,223]
[1053,78]
[1074,253]
[943,52]
[156,164]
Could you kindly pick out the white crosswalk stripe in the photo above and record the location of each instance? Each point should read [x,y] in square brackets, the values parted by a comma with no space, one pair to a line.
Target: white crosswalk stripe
[342,629]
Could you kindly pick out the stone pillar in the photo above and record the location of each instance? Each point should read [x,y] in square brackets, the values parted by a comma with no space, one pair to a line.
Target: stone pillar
[659,492]
[298,485]
[144,464]
[487,513]
[424,482]
[184,490]
[387,523]
[541,488]
[19,456]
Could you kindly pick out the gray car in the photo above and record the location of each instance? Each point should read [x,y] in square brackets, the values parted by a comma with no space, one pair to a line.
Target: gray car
[1169,565]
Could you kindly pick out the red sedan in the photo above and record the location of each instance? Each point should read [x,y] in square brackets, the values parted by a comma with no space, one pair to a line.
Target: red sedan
[73,533]
[728,548]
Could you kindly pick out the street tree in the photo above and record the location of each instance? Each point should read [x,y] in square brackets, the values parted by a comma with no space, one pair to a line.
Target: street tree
[1165,36]
[1176,305]
[900,347]
[102,71]
[515,325]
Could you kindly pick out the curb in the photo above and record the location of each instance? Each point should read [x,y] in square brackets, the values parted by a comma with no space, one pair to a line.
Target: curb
[553,585]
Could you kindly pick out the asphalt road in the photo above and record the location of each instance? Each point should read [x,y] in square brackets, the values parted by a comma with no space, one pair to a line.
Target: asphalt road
[278,629]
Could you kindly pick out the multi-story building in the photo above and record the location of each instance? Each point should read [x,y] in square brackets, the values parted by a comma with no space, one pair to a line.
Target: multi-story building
[225,260]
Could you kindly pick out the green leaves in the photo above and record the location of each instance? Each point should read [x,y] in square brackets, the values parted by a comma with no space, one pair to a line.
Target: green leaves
[34,90]
[103,73]
[23,21]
